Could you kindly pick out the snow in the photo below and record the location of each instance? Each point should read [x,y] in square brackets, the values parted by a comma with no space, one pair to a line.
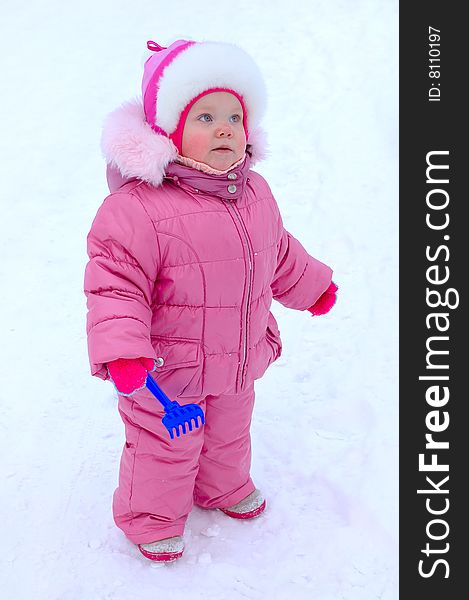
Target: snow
[325,423]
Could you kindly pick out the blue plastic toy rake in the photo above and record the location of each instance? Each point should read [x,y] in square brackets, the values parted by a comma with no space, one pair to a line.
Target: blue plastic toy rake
[176,415]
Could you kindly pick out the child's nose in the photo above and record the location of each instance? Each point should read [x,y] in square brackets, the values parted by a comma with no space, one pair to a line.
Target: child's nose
[224,131]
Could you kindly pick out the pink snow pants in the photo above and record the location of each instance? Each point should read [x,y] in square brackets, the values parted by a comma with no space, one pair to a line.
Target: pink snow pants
[160,479]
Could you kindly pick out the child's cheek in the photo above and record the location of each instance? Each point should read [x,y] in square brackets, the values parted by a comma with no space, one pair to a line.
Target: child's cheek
[195,146]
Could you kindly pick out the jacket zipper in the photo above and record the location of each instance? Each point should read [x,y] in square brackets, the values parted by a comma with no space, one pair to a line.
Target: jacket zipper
[250,261]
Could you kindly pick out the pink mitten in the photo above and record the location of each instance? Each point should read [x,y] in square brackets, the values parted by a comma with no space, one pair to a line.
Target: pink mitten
[325,302]
[130,374]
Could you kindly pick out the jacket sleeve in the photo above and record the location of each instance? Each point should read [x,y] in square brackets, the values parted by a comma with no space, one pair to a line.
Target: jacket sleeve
[119,279]
[299,278]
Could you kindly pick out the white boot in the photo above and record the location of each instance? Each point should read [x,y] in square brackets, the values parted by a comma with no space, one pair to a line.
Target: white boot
[165,550]
[248,508]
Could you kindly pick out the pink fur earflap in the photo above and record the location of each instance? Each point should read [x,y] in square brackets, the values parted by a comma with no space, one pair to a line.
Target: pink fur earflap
[257,145]
[131,146]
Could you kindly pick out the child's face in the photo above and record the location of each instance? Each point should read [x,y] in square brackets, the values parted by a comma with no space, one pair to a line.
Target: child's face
[213,121]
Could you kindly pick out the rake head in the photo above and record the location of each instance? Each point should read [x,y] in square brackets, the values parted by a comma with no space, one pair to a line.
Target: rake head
[179,418]
[176,416]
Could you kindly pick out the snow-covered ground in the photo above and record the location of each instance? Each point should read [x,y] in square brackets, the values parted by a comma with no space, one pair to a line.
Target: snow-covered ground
[325,433]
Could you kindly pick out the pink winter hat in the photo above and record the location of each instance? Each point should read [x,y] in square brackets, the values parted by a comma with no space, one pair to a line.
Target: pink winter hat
[176,77]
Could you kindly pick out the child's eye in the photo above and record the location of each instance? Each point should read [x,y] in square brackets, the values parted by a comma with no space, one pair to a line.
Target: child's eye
[235,118]
[205,120]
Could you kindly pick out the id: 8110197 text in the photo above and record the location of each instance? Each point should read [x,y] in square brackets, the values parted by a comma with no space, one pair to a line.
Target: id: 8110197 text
[434,93]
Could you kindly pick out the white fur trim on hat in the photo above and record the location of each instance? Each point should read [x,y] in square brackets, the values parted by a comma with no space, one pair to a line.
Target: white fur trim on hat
[129,144]
[206,65]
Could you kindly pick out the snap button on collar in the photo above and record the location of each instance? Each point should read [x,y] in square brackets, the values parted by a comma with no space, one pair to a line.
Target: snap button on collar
[232,176]
[232,188]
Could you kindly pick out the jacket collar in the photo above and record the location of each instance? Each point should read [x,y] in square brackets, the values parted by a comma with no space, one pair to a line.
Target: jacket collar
[228,185]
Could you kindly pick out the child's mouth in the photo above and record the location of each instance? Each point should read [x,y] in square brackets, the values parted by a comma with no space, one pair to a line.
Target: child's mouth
[222,150]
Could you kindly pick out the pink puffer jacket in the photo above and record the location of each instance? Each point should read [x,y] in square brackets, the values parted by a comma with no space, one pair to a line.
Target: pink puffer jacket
[186,271]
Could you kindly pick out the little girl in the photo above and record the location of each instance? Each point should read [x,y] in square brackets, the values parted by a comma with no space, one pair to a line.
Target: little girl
[185,256]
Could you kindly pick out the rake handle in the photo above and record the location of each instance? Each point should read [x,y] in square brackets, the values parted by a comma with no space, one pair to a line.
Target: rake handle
[158,392]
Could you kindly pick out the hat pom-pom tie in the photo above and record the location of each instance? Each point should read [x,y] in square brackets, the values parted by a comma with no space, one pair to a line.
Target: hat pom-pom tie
[154,46]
